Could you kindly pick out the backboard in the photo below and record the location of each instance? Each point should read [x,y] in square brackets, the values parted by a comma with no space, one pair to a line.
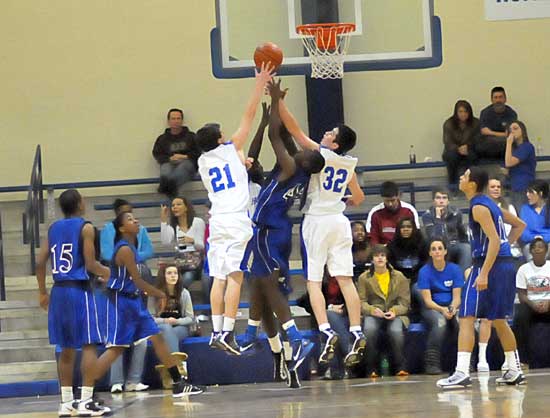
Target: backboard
[390,34]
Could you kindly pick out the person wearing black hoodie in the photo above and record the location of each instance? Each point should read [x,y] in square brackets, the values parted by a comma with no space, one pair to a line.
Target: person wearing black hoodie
[177,153]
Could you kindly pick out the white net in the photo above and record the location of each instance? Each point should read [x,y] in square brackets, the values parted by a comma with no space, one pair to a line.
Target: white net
[327,46]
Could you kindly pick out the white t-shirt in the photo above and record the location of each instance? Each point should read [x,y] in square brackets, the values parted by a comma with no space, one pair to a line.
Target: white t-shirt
[327,188]
[535,279]
[225,178]
[195,231]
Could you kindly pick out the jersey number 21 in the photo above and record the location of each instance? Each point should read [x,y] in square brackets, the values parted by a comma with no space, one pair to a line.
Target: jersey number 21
[221,179]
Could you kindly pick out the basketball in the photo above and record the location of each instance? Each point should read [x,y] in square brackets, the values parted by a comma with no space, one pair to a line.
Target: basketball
[268,52]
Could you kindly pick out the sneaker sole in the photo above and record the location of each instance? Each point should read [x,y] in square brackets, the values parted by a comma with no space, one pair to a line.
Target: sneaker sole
[518,382]
[328,353]
[181,395]
[457,386]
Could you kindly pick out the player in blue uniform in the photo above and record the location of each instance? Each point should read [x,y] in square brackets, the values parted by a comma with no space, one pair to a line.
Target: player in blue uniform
[72,315]
[271,243]
[128,321]
[490,289]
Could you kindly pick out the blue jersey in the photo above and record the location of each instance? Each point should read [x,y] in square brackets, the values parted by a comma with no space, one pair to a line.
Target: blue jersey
[120,279]
[66,255]
[479,241]
[276,198]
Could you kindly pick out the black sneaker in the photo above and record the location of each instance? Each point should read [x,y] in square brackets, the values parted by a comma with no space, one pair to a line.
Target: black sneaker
[328,350]
[90,408]
[182,388]
[226,341]
[213,337]
[280,370]
[292,380]
[357,350]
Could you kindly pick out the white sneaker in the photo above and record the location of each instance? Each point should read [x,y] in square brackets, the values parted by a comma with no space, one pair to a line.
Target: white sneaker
[457,380]
[511,377]
[90,408]
[136,387]
[116,388]
[67,409]
[504,367]
[483,367]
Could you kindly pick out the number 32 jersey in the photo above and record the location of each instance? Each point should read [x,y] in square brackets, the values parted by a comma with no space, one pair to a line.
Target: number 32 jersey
[66,256]
[327,188]
[225,178]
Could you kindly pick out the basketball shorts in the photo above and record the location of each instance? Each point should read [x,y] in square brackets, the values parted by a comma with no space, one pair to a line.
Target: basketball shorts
[326,240]
[229,235]
[271,248]
[127,321]
[497,301]
[72,315]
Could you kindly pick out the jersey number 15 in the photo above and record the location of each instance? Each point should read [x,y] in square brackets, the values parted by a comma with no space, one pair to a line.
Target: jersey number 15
[63,263]
[221,179]
[334,181]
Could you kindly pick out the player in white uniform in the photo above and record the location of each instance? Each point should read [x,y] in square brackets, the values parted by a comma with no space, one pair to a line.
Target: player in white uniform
[326,232]
[223,173]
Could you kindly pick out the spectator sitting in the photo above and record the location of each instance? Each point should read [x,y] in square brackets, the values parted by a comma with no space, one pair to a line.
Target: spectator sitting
[440,284]
[521,161]
[144,252]
[359,249]
[445,221]
[536,215]
[460,134]
[385,300]
[186,232]
[408,250]
[382,218]
[494,120]
[174,316]
[176,152]
[532,283]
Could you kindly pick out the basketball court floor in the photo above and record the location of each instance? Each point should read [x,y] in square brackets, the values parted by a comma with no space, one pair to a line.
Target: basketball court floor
[413,396]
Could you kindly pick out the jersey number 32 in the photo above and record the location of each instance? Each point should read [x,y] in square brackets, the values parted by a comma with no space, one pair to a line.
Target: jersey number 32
[334,180]
[221,179]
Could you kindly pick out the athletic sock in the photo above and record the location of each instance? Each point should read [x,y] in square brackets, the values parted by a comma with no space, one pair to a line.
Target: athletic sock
[228,324]
[217,323]
[174,374]
[66,394]
[463,362]
[355,328]
[292,330]
[512,359]
[325,329]
[252,328]
[275,344]
[288,350]
[482,356]
[86,393]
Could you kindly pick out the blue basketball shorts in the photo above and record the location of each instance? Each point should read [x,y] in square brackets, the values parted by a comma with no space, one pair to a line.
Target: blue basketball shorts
[271,249]
[128,321]
[72,315]
[497,301]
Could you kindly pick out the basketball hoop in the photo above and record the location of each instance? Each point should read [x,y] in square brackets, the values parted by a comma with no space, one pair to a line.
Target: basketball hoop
[327,44]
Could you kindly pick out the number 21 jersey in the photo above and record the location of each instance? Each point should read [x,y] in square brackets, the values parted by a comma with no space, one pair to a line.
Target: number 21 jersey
[327,188]
[66,256]
[225,178]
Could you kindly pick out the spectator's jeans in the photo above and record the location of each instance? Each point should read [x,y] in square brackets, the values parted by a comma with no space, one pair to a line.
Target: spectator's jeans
[137,360]
[395,331]
[437,325]
[492,147]
[340,324]
[455,162]
[173,335]
[524,319]
[461,254]
[174,175]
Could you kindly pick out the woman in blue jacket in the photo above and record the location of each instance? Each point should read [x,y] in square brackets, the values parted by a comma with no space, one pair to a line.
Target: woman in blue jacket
[520,160]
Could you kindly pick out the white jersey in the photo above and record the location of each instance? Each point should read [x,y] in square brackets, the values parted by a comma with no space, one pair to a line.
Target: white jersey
[225,178]
[327,188]
[254,190]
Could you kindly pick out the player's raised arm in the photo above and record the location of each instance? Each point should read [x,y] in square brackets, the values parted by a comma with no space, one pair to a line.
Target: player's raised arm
[257,141]
[292,125]
[88,251]
[357,195]
[482,215]
[41,262]
[518,225]
[240,136]
[286,162]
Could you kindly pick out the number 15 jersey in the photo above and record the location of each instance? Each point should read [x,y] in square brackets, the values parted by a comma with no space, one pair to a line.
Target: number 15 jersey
[225,178]
[327,188]
[66,255]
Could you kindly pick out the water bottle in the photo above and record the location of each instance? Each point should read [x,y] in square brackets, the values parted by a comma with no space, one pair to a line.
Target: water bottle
[539,149]
[385,366]
[412,155]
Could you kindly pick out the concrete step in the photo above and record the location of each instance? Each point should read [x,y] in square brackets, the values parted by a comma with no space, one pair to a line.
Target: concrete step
[27,371]
[27,353]
[25,338]
[35,322]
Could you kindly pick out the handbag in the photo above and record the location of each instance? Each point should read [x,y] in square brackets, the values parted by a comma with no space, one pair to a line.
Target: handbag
[188,260]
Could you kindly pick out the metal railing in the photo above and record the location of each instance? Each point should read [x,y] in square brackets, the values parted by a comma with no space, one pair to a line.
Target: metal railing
[33,215]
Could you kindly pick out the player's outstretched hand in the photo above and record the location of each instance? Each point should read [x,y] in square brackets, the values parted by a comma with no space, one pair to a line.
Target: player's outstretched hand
[44,300]
[275,91]
[265,114]
[482,282]
[266,73]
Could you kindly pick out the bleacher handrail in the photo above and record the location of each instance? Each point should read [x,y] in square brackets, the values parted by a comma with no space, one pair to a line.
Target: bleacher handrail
[33,215]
